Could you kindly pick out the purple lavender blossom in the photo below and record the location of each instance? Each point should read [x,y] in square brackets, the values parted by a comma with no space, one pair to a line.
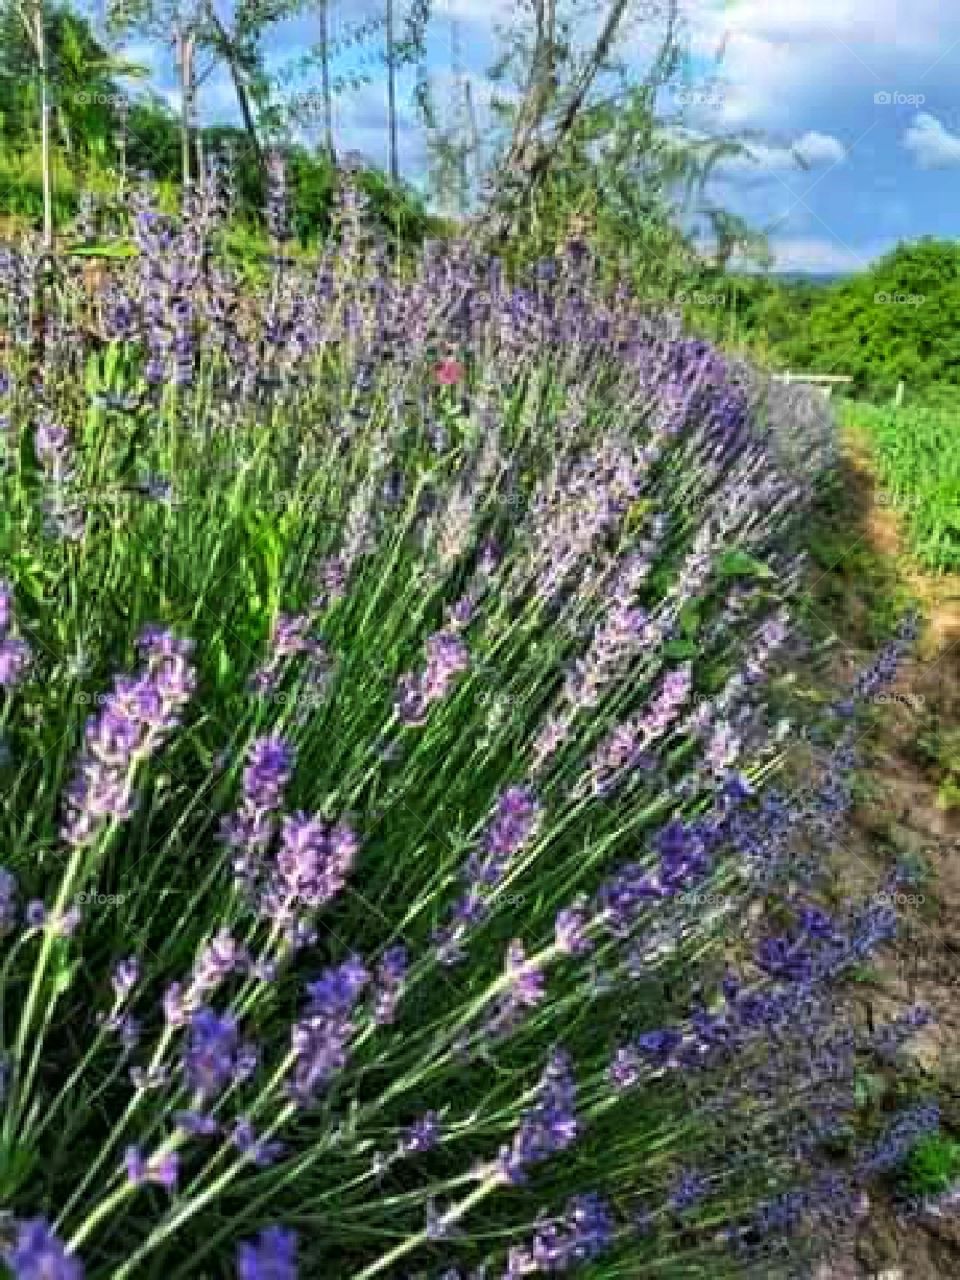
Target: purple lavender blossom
[320,1039]
[625,1069]
[571,930]
[268,771]
[515,818]
[135,718]
[422,1135]
[176,1005]
[125,976]
[688,1189]
[35,914]
[272,1257]
[626,745]
[163,1170]
[221,957]
[214,1056]
[550,1126]
[289,638]
[8,900]
[582,1232]
[37,1254]
[388,984]
[899,1137]
[447,657]
[249,831]
[52,444]
[196,1123]
[882,671]
[311,866]
[259,1151]
[723,749]
[15,656]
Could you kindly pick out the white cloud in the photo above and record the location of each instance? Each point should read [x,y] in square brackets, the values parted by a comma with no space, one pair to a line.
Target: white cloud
[780,59]
[820,255]
[811,150]
[815,149]
[933,145]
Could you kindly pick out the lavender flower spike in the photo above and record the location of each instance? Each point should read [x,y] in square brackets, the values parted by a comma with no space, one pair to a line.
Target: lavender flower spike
[136,717]
[37,1254]
[549,1127]
[272,1257]
[14,653]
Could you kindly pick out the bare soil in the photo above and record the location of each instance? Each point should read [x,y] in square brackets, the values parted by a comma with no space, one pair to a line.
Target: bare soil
[899,815]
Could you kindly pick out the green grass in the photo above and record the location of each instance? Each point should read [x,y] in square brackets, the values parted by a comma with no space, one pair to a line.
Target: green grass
[918,461]
[932,1167]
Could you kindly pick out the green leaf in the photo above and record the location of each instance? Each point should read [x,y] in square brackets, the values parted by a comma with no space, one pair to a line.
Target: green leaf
[121,249]
[64,969]
[868,1088]
[681,649]
[737,564]
[690,619]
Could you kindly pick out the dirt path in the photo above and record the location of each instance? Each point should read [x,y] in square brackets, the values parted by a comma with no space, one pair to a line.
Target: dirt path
[900,816]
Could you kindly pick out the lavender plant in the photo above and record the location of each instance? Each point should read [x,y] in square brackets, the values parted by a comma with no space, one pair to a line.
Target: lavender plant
[395,882]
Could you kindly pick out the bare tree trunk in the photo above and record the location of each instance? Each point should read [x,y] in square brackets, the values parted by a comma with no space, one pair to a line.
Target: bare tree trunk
[541,84]
[529,156]
[186,45]
[45,157]
[473,169]
[225,47]
[325,76]
[392,94]
[246,111]
[201,159]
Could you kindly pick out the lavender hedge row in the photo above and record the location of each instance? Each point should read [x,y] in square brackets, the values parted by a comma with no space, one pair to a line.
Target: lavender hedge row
[396,877]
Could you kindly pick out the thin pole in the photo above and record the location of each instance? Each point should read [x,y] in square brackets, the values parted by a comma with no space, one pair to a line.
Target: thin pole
[392,95]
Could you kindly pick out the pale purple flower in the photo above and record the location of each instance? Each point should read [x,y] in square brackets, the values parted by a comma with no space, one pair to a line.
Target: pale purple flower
[571,930]
[163,1170]
[447,657]
[549,1126]
[388,984]
[422,1135]
[37,1254]
[8,900]
[15,656]
[125,976]
[213,1055]
[136,716]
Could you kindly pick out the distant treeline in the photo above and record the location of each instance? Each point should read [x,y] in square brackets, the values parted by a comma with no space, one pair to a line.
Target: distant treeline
[900,319]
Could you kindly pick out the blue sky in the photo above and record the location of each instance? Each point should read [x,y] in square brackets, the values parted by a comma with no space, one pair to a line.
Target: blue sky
[865,91]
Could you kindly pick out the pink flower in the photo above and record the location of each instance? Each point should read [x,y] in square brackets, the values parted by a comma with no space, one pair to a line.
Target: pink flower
[449,372]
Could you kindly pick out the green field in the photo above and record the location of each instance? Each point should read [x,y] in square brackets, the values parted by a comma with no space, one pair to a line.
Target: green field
[918,463]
